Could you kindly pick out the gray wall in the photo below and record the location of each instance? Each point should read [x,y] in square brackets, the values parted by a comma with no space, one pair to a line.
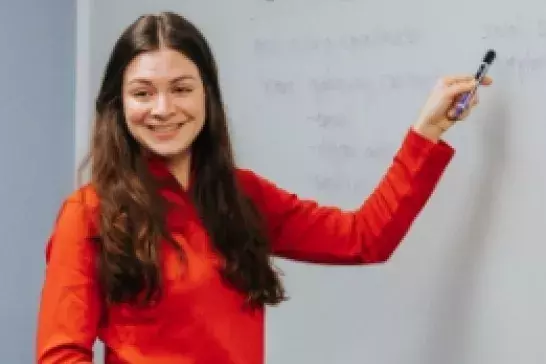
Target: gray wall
[37,39]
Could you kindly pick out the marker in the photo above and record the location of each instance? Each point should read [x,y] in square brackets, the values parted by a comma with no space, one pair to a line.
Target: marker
[462,104]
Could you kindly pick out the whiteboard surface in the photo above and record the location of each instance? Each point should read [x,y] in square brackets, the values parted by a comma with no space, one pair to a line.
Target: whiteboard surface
[336,84]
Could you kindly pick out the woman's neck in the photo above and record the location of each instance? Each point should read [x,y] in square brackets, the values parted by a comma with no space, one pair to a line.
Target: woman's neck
[180,167]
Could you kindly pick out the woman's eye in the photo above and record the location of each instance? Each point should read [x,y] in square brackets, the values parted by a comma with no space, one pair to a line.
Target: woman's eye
[140,93]
[182,89]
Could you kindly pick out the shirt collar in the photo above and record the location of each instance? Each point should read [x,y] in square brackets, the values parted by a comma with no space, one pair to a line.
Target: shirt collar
[158,167]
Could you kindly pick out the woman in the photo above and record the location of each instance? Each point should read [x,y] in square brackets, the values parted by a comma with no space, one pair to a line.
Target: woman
[165,254]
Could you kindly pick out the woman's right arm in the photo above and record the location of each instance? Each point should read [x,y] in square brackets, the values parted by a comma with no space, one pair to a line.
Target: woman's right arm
[70,306]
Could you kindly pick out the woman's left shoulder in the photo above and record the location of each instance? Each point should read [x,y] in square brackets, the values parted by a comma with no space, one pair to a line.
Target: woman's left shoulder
[254,184]
[247,178]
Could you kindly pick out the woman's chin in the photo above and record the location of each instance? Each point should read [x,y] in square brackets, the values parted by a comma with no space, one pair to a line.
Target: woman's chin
[165,151]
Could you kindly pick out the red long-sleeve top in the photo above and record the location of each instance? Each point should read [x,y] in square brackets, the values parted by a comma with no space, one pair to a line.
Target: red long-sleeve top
[200,319]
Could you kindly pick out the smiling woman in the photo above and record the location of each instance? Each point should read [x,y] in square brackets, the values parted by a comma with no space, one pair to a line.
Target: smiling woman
[164,104]
[165,254]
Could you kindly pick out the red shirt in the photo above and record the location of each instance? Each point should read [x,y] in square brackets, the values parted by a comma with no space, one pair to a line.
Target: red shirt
[200,319]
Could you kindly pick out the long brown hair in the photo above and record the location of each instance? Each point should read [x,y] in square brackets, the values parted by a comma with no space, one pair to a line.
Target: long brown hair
[132,215]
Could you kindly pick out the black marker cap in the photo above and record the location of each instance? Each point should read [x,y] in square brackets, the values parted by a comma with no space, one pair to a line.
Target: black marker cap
[489,56]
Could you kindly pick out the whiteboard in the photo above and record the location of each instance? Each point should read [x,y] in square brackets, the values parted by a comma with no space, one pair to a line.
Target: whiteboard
[337,84]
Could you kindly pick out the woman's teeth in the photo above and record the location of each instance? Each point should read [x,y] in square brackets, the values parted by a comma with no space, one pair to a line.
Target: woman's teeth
[164,128]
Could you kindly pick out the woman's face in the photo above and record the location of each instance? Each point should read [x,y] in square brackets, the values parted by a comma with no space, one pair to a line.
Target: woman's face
[164,102]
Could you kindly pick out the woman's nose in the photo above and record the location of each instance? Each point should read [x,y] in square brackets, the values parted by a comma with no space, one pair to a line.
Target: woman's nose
[163,107]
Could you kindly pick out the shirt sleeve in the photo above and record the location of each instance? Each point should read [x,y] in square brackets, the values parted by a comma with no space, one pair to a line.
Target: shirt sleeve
[305,231]
[69,310]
